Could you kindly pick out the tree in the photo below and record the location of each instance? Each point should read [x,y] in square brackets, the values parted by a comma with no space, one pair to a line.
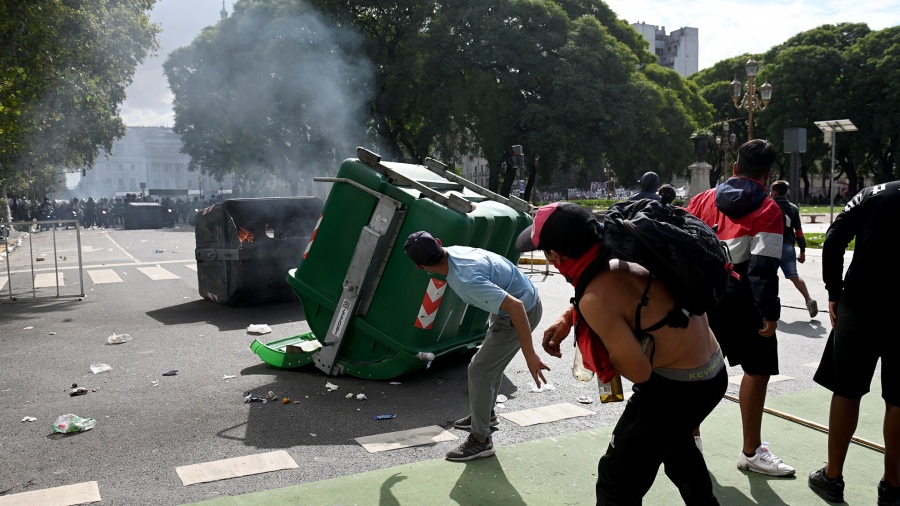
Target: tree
[64,67]
[275,89]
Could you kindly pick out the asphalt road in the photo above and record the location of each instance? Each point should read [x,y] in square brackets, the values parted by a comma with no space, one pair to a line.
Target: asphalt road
[149,424]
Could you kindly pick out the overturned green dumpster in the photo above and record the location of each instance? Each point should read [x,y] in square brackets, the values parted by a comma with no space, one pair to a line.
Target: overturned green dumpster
[372,312]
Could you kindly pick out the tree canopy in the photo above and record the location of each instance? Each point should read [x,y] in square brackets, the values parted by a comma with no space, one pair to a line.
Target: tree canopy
[566,79]
[844,71]
[64,67]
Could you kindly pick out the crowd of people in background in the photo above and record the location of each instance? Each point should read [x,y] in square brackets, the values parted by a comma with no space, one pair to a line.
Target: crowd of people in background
[105,212]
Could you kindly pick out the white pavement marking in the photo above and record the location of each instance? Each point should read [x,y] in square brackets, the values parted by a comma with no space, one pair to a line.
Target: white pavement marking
[157,273]
[2,282]
[48,280]
[104,276]
[122,249]
[67,495]
[192,267]
[405,439]
[772,379]
[236,467]
[546,414]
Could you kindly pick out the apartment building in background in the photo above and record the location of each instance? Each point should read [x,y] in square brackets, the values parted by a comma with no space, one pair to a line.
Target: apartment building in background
[677,50]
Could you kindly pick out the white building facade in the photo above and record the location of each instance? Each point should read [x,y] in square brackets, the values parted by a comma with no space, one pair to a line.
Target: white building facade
[677,50]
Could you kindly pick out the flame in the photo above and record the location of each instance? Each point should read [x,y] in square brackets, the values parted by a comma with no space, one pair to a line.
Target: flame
[244,235]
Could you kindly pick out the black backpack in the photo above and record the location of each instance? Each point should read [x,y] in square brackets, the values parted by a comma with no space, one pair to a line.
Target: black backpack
[676,247]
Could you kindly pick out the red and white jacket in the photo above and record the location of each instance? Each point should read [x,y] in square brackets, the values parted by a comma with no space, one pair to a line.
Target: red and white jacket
[752,226]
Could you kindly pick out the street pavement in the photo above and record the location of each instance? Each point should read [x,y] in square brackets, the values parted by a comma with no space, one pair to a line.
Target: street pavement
[149,424]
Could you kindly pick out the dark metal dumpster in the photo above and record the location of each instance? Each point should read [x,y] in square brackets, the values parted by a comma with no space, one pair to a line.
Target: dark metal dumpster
[245,247]
[139,215]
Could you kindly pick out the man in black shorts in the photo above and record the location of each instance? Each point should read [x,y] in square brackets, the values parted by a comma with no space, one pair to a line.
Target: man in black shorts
[751,224]
[861,308]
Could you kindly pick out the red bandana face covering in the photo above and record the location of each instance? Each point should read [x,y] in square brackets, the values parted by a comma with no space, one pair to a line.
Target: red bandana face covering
[593,353]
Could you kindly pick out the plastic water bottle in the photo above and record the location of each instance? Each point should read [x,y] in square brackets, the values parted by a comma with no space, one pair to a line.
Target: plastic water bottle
[612,391]
[118,338]
[580,372]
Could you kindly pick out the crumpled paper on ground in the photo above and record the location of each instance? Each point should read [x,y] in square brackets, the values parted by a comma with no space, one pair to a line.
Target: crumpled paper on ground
[259,329]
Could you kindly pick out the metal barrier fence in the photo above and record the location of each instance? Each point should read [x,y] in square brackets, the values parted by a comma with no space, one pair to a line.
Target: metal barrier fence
[20,272]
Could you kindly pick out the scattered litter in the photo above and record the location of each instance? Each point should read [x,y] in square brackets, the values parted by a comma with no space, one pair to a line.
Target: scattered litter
[29,419]
[311,434]
[98,368]
[501,398]
[73,423]
[383,417]
[154,383]
[74,385]
[259,329]
[78,391]
[227,376]
[248,397]
[118,338]
[584,399]
[28,328]
[425,355]
[286,400]
[348,396]
[40,259]
[159,251]
[543,388]
[331,386]
[271,395]
[361,397]
[52,334]
[308,346]
[500,405]
[395,383]
[173,372]
[296,402]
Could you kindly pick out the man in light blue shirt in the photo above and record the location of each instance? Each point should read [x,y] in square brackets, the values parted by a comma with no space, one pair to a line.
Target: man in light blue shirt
[492,283]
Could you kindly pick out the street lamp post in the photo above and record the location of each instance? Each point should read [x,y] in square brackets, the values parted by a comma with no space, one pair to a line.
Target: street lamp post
[725,142]
[829,131]
[751,100]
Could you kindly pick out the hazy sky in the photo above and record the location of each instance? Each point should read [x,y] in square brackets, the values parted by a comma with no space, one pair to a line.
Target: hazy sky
[726,28]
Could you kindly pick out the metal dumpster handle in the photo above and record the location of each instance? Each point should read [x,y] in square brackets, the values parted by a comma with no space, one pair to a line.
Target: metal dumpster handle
[440,169]
[454,201]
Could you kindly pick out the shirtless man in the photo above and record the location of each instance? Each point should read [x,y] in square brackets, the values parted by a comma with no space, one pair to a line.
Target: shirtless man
[676,385]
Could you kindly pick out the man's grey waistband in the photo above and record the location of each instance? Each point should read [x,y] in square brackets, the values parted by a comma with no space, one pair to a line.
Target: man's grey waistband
[704,372]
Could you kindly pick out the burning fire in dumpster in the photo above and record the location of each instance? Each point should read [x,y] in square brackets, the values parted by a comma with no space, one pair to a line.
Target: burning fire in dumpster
[244,235]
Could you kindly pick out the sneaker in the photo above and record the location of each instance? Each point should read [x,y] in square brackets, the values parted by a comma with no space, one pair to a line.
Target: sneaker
[888,495]
[764,462]
[699,442]
[472,449]
[830,489]
[466,423]
[813,307]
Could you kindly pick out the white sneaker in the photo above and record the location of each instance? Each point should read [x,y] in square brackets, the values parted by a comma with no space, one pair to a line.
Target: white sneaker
[699,442]
[764,462]
[813,307]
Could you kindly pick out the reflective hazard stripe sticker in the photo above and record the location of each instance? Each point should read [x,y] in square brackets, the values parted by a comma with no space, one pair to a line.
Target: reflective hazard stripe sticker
[430,304]
[311,238]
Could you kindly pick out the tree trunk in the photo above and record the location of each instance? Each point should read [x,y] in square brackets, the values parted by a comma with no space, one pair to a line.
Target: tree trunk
[509,177]
[529,186]
[804,175]
[6,214]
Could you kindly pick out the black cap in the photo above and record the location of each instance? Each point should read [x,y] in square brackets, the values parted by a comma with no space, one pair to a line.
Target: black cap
[423,249]
[562,226]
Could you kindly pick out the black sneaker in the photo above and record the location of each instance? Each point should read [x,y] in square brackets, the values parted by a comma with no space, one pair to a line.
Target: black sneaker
[830,489]
[888,495]
[472,449]
[466,423]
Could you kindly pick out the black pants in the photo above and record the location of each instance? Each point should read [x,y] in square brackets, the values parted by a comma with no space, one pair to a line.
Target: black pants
[657,428]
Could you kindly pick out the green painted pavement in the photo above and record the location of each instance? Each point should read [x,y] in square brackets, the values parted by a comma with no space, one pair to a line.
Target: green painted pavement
[562,470]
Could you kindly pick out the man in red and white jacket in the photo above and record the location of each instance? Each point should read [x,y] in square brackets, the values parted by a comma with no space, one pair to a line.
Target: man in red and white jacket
[752,226]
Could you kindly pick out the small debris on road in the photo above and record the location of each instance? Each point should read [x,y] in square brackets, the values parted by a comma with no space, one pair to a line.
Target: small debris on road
[29,419]
[584,399]
[118,339]
[361,397]
[383,417]
[173,372]
[259,329]
[78,391]
[331,386]
[100,368]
